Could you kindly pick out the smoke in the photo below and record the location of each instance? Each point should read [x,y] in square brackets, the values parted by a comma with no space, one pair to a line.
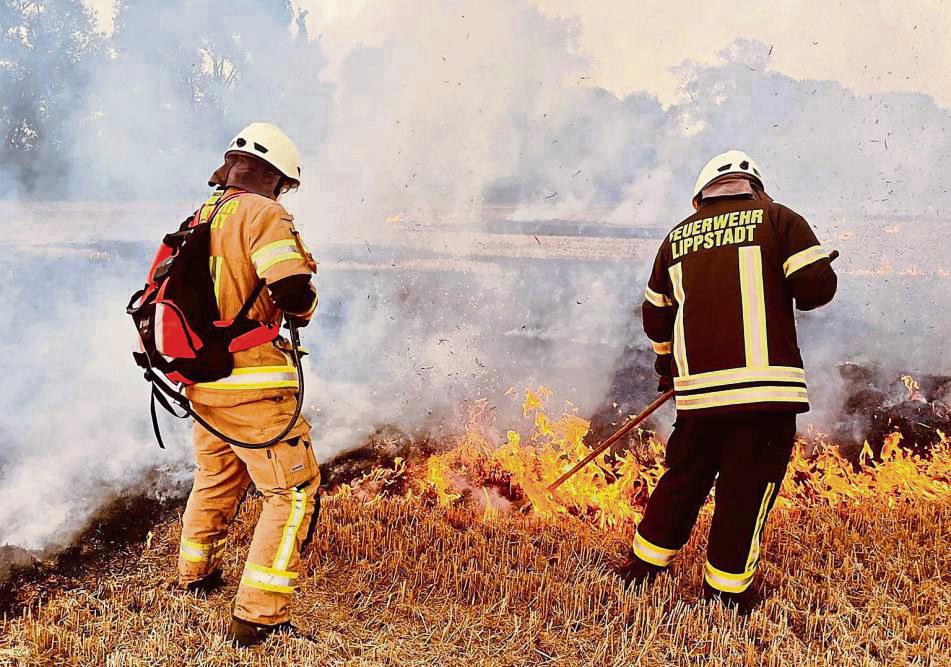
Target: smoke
[449,165]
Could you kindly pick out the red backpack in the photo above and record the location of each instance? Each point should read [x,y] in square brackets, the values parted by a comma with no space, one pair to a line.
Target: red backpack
[181,334]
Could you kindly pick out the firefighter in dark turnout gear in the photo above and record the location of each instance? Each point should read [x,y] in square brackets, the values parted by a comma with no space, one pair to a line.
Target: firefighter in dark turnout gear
[718,311]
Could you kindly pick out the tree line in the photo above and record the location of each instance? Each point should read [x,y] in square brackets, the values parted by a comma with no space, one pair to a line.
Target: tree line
[92,115]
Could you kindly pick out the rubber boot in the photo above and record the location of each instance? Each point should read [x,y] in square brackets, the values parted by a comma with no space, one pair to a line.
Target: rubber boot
[207,584]
[635,571]
[742,602]
[244,634]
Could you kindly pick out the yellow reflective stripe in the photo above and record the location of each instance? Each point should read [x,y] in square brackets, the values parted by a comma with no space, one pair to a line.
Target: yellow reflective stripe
[204,547]
[268,579]
[754,306]
[250,370]
[652,553]
[274,253]
[737,375]
[214,264]
[196,552]
[286,257]
[191,556]
[295,518]
[742,396]
[236,386]
[270,570]
[804,258]
[657,299]
[284,384]
[680,339]
[273,588]
[727,582]
[271,247]
[753,558]
[256,377]
[662,348]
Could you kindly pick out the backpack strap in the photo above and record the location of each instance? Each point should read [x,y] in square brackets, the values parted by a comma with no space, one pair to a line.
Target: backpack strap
[246,308]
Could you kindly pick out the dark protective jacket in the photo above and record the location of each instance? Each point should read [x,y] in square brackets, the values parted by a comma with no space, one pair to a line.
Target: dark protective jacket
[720,301]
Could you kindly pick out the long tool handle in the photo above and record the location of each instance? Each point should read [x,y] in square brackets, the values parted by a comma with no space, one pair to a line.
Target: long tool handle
[624,430]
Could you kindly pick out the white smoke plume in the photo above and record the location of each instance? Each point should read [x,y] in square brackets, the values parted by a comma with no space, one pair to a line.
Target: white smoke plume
[429,138]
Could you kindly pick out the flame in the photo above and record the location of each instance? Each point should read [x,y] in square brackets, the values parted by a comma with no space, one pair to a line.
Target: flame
[914,389]
[613,490]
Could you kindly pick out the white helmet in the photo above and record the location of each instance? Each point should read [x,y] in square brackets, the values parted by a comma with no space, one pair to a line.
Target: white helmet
[731,162]
[269,143]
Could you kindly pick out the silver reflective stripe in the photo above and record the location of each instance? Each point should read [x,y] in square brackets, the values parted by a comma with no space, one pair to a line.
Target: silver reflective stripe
[656,298]
[754,306]
[743,396]
[737,375]
[191,553]
[295,518]
[803,258]
[729,583]
[197,552]
[680,337]
[652,553]
[755,546]
[256,377]
[274,253]
[268,576]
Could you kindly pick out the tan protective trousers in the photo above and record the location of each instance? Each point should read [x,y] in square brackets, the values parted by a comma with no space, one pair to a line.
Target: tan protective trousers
[285,474]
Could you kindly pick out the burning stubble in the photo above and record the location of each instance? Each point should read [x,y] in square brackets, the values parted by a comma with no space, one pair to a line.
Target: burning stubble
[496,171]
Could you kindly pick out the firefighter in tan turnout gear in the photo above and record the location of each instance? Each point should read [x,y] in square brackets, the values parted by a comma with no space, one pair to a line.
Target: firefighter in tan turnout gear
[252,238]
[718,310]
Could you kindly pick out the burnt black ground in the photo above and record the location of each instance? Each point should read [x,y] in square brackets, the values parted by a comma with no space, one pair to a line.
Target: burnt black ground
[118,531]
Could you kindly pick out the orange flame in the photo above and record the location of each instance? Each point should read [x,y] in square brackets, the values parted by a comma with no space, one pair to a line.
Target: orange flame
[914,389]
[613,490]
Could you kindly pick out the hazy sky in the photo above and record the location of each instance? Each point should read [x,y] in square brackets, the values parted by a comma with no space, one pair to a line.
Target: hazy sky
[869,45]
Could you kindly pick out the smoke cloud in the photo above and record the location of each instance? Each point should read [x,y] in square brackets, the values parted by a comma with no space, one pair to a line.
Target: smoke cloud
[483,218]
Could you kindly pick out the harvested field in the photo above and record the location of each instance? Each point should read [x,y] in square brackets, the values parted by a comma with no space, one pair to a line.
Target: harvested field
[462,558]
[398,582]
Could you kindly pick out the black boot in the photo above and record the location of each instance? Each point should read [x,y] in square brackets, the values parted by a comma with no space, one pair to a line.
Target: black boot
[207,584]
[744,603]
[245,634]
[635,571]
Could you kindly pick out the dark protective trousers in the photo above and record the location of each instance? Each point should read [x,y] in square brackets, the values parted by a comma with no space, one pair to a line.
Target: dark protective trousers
[747,455]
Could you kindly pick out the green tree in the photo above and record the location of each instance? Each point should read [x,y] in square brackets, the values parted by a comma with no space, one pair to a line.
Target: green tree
[46,51]
[182,78]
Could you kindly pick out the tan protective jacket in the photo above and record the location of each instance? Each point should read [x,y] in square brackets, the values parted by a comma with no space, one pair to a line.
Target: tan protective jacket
[253,237]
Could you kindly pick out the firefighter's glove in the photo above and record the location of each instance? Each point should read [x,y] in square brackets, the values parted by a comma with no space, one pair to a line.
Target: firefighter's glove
[298,322]
[295,294]
[664,367]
